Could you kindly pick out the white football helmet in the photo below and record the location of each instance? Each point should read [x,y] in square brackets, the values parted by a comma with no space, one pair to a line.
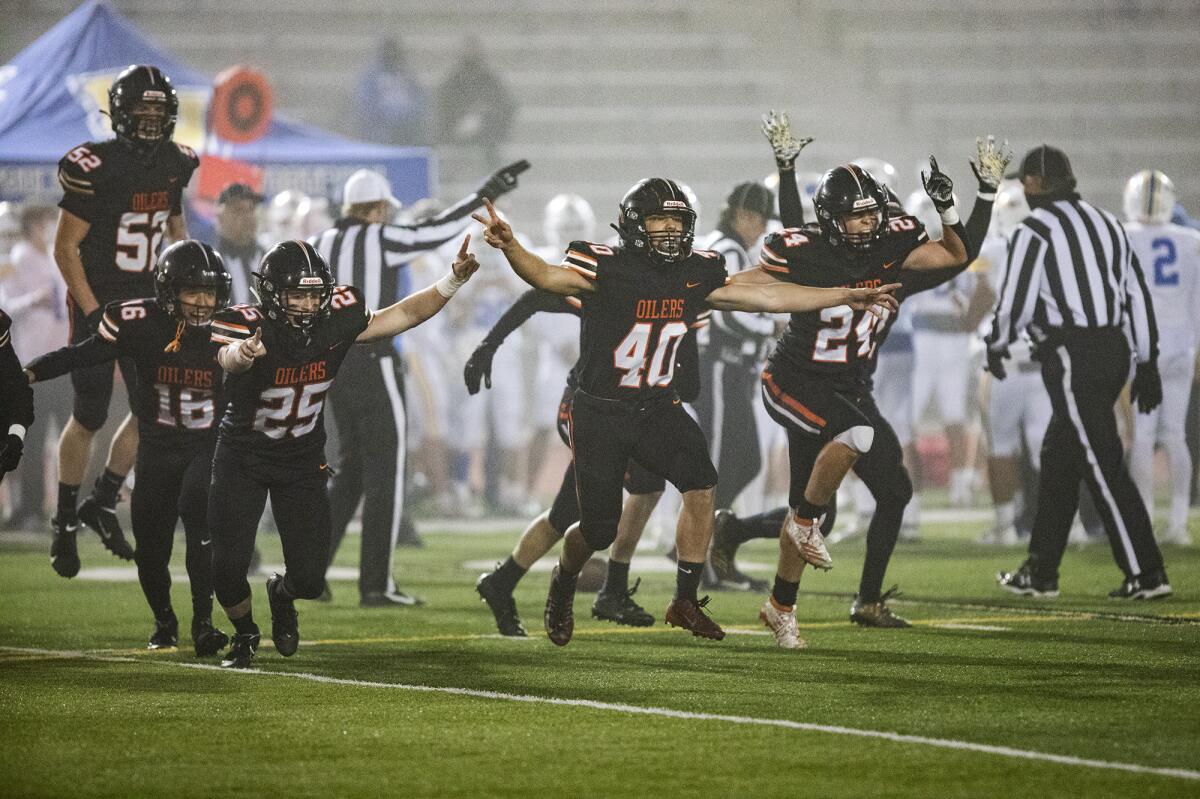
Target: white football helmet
[10,227]
[1010,208]
[1149,198]
[313,217]
[568,218]
[883,172]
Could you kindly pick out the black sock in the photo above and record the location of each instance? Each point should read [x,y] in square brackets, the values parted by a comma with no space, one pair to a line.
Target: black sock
[283,591]
[68,501]
[784,592]
[165,614]
[201,607]
[616,580]
[807,510]
[107,486]
[508,574]
[245,625]
[687,579]
[763,525]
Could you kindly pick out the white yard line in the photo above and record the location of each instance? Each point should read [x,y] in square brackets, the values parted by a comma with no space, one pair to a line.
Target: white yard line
[661,712]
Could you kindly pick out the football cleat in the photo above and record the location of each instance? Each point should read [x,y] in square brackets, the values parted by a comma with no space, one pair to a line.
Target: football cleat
[1148,585]
[806,535]
[206,639]
[103,521]
[1025,583]
[389,599]
[877,613]
[559,616]
[620,607]
[502,605]
[285,627]
[689,614]
[64,551]
[782,624]
[241,651]
[725,573]
[166,634]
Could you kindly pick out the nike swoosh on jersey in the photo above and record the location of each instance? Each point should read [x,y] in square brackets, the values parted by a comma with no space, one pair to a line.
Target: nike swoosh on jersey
[693,285]
[888,265]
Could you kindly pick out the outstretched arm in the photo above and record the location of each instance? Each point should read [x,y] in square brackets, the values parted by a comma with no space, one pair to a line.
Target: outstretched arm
[529,267]
[92,351]
[479,365]
[419,306]
[780,297]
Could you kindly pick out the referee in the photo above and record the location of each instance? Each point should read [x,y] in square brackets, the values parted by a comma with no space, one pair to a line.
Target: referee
[1073,282]
[367,400]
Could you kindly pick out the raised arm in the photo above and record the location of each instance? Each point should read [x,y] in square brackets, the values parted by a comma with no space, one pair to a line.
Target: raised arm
[419,306]
[786,147]
[529,267]
[951,249]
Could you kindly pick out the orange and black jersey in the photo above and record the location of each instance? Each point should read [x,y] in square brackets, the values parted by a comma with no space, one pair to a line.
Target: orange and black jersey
[837,343]
[276,408]
[126,199]
[632,325]
[178,391]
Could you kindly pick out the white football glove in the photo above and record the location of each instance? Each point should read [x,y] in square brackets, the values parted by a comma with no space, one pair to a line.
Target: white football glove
[990,163]
[778,130]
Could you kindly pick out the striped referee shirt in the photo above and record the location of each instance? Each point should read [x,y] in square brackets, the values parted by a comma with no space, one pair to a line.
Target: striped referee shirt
[368,255]
[1070,266]
[739,331]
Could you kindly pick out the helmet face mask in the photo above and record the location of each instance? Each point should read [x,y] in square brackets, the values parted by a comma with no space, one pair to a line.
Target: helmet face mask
[846,197]
[656,198]
[294,286]
[143,107]
[191,282]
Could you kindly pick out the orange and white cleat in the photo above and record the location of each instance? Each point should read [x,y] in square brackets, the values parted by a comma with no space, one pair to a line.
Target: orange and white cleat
[781,621]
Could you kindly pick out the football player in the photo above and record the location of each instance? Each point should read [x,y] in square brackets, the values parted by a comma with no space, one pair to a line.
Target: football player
[16,415]
[1170,257]
[280,357]
[120,197]
[176,398]
[639,300]
[614,602]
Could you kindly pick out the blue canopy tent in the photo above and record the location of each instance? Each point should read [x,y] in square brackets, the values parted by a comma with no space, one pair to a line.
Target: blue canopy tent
[53,92]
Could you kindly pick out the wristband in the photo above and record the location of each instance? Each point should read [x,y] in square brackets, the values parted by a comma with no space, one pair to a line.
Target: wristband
[950,216]
[17,430]
[449,285]
[987,196]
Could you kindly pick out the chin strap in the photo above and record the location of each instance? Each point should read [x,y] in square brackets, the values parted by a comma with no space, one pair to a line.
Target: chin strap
[174,345]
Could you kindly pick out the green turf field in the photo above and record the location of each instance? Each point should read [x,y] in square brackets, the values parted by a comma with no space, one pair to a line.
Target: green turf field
[1024,699]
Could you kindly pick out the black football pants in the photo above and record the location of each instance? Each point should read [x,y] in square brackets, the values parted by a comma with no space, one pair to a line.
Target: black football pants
[726,410]
[1084,372]
[172,485]
[241,484]
[369,409]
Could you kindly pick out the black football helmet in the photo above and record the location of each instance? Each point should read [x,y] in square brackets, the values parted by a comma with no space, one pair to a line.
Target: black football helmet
[293,266]
[847,190]
[190,264]
[136,85]
[651,197]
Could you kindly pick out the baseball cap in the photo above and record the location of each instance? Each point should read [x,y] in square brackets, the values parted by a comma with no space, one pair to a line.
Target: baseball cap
[754,197]
[1046,161]
[367,186]
[239,191]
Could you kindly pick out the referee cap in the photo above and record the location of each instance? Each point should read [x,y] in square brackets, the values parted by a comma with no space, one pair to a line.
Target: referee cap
[367,186]
[1048,162]
[753,197]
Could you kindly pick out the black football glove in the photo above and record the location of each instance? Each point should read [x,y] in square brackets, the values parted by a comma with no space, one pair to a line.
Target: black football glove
[938,186]
[503,181]
[995,363]
[93,319]
[1146,389]
[479,365]
[10,452]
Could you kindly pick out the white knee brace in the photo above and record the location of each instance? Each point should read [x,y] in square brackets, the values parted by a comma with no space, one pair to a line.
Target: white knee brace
[857,438]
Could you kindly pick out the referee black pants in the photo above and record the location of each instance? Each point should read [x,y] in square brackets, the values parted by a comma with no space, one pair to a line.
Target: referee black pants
[725,407]
[368,407]
[1084,372]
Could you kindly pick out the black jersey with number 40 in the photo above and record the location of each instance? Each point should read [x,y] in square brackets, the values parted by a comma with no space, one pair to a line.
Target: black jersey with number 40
[177,396]
[127,200]
[837,344]
[633,323]
[276,408]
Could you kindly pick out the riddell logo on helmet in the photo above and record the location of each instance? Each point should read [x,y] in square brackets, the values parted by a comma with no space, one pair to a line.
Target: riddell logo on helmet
[154,94]
[311,281]
[865,202]
[669,205]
